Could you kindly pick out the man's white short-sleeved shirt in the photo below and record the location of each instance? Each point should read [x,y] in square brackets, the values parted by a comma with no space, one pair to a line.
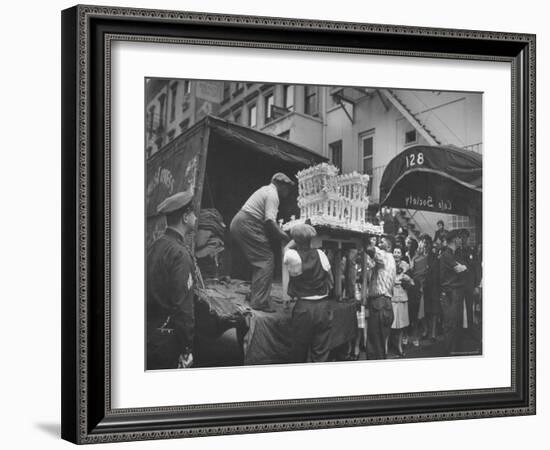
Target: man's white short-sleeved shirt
[263,204]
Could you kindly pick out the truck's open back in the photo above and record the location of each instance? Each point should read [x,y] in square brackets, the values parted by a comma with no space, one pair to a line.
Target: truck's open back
[225,163]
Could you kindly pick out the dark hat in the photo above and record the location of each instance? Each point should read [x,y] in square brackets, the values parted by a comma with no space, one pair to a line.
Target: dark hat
[175,202]
[452,235]
[281,178]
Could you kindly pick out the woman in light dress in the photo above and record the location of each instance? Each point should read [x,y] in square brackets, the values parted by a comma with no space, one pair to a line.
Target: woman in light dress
[399,300]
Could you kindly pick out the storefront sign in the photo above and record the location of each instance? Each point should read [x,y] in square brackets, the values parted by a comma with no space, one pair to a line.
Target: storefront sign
[428,203]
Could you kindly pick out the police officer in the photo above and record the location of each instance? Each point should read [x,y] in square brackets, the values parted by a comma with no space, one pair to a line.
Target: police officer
[170,283]
[466,255]
[452,279]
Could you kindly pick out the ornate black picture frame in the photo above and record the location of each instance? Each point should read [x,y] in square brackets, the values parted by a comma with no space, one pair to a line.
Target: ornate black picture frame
[87,35]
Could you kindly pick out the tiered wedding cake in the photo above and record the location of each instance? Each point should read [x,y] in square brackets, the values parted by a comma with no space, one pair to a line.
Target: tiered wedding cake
[337,201]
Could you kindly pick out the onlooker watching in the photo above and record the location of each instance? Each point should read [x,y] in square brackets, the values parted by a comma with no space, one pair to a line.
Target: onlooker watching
[413,293]
[452,291]
[439,234]
[399,300]
[380,293]
[420,266]
[430,287]
[466,255]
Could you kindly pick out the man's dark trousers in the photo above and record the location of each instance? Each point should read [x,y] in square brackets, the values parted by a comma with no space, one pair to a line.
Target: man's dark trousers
[453,310]
[378,326]
[311,325]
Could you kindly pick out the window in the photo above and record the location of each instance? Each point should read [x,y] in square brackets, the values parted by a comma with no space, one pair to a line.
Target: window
[187,87]
[238,88]
[311,106]
[367,151]
[289,97]
[162,101]
[268,103]
[174,92]
[410,137]
[226,91]
[467,223]
[184,124]
[332,98]
[171,135]
[336,154]
[151,121]
[237,116]
[252,115]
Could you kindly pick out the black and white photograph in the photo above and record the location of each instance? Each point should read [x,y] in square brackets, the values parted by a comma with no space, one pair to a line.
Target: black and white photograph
[298,223]
[275,225]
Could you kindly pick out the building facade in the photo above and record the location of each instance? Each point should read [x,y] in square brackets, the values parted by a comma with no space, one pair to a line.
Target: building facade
[358,129]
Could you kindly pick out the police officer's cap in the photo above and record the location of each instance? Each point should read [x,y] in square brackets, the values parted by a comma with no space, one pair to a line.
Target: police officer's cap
[280,177]
[175,202]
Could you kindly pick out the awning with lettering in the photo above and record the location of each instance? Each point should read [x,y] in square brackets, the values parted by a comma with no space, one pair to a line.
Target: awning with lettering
[441,178]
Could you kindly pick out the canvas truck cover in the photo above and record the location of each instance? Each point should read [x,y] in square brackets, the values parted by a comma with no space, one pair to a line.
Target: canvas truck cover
[174,169]
[182,162]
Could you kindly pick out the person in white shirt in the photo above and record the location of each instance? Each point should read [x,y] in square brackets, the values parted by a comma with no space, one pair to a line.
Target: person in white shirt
[380,292]
[254,228]
[309,283]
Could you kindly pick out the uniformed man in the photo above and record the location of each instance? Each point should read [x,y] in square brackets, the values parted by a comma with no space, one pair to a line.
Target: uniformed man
[452,279]
[170,282]
[254,228]
[466,255]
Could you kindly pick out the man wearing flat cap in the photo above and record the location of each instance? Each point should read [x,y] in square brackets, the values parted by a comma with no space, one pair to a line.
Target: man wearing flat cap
[310,280]
[254,228]
[452,280]
[170,284]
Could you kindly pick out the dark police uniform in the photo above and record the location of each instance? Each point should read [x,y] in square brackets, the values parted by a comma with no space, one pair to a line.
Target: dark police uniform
[452,297]
[466,255]
[170,301]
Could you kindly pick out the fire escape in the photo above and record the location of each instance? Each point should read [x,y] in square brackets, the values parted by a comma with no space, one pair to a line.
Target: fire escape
[405,217]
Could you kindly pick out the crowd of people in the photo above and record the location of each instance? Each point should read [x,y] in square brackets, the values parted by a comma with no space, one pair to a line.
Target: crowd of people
[422,291]
[419,292]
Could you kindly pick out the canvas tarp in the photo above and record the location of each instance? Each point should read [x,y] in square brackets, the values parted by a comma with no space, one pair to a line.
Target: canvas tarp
[182,162]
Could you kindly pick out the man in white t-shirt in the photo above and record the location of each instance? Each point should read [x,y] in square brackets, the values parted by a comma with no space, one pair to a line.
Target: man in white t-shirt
[255,230]
[309,283]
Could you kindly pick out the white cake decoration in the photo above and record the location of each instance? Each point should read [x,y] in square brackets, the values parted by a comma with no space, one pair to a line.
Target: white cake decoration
[337,201]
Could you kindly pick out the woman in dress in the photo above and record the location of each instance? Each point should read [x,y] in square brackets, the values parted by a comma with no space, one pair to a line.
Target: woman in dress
[399,300]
